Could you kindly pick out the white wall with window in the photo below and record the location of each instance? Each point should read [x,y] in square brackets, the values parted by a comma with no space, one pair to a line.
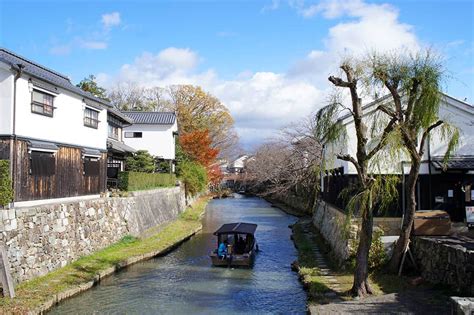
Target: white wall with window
[58,116]
[158,140]
[6,99]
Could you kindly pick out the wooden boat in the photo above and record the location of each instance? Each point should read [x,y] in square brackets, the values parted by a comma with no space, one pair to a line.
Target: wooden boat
[241,245]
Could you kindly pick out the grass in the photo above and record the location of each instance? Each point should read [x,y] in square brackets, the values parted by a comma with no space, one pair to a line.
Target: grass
[318,286]
[31,294]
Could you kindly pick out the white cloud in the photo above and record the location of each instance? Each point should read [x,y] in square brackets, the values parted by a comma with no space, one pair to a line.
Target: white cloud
[110,19]
[93,39]
[59,50]
[93,45]
[273,5]
[262,102]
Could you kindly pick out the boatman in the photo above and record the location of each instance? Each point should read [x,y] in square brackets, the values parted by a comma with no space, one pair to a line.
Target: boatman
[222,250]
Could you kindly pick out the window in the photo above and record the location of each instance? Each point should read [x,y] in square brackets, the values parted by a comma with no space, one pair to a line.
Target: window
[42,163]
[91,118]
[91,166]
[42,103]
[114,132]
[133,135]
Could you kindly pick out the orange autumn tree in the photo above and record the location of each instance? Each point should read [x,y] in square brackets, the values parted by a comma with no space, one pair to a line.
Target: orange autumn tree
[197,146]
[214,174]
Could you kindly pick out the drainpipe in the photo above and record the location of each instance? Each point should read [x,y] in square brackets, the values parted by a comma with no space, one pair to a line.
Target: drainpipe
[321,171]
[18,72]
[430,194]
[403,194]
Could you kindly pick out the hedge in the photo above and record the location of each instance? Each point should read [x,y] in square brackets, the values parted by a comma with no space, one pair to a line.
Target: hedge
[194,177]
[6,191]
[131,181]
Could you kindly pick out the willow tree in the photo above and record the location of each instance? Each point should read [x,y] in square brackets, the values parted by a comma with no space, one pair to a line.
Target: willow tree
[371,190]
[414,83]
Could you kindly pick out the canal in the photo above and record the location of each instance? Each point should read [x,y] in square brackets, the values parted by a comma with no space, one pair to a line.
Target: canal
[184,282]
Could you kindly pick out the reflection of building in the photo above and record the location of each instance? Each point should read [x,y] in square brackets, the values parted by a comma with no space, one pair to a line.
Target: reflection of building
[53,133]
[451,189]
[154,132]
[117,150]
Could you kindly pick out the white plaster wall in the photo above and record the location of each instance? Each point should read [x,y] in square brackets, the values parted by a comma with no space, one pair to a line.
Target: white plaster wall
[158,140]
[461,116]
[6,100]
[67,123]
[457,113]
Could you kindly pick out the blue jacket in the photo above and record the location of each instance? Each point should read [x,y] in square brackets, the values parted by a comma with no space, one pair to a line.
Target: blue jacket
[222,250]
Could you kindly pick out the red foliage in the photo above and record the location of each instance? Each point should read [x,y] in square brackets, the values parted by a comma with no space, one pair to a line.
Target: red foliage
[197,145]
[214,175]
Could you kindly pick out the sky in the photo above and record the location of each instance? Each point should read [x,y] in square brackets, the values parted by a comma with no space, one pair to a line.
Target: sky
[267,61]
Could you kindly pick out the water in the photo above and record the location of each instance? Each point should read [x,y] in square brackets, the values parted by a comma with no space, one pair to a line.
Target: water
[184,282]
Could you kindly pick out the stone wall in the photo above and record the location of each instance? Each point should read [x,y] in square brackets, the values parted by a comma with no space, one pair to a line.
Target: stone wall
[339,233]
[446,260]
[331,223]
[43,238]
[298,203]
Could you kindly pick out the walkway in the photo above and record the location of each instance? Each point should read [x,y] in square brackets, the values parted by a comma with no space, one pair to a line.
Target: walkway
[410,301]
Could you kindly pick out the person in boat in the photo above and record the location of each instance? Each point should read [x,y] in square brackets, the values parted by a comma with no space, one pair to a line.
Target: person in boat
[240,246]
[222,249]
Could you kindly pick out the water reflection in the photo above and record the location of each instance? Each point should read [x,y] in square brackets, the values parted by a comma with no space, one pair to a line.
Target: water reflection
[184,282]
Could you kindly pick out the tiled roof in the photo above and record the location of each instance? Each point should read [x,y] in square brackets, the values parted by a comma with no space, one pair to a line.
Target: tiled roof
[41,72]
[152,118]
[454,163]
[120,115]
[119,146]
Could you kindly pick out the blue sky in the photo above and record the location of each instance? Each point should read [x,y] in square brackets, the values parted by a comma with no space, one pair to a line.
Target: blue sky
[266,60]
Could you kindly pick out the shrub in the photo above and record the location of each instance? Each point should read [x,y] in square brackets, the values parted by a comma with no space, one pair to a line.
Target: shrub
[131,181]
[194,177]
[6,191]
[141,161]
[377,255]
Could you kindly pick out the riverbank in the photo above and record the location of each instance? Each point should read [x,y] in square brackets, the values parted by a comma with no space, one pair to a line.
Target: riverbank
[328,287]
[42,293]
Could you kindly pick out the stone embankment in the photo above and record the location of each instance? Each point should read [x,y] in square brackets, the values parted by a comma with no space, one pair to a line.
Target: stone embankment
[43,238]
[341,232]
[447,260]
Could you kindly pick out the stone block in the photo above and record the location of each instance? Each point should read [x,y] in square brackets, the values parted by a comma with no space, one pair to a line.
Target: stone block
[11,214]
[462,305]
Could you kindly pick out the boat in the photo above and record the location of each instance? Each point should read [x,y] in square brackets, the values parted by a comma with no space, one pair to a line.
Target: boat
[241,245]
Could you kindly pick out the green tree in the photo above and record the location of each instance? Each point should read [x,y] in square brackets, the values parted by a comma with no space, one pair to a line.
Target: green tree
[414,83]
[194,177]
[141,161]
[6,191]
[90,85]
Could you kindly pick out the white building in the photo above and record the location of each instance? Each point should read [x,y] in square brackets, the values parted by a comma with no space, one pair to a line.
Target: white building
[237,165]
[451,189]
[53,133]
[154,132]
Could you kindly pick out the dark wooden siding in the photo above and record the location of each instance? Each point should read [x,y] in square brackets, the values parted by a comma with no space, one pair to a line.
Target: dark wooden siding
[4,149]
[68,179]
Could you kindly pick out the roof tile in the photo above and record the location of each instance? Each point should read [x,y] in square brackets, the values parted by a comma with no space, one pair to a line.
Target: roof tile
[151,118]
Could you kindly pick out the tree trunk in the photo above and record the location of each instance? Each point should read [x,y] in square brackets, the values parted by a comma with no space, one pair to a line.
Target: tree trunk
[408,219]
[361,286]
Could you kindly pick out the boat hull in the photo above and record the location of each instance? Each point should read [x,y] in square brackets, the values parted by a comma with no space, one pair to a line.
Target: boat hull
[233,260]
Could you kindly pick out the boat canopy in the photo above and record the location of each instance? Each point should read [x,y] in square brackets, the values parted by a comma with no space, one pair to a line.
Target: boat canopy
[238,228]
